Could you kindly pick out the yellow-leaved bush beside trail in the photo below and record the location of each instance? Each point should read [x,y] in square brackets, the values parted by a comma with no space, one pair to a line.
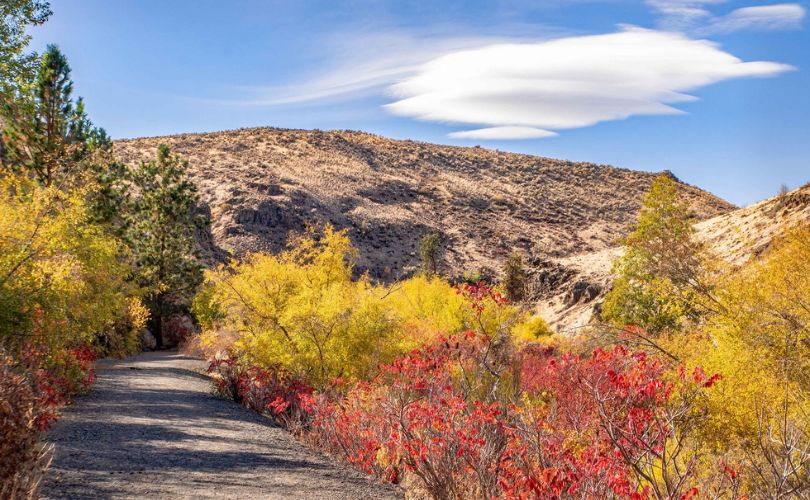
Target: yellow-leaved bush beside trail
[303,311]
[758,339]
[750,325]
[62,278]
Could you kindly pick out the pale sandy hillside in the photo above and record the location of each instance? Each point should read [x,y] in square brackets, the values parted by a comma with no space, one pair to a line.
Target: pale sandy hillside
[737,236]
[566,217]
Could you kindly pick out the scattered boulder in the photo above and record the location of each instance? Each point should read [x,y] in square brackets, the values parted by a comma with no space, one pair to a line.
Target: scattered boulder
[546,278]
[147,340]
[582,292]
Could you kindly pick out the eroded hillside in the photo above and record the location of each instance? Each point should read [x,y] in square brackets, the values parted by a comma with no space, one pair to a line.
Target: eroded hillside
[260,184]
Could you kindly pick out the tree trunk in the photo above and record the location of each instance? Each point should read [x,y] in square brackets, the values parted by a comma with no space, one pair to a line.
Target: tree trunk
[159,322]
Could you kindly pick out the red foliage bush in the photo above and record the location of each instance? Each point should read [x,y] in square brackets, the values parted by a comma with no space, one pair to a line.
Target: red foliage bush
[590,422]
[273,392]
[415,417]
[477,295]
[22,459]
[594,427]
[472,417]
[351,429]
[177,329]
[32,388]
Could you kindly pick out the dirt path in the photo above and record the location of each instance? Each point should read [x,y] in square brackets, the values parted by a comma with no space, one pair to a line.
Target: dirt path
[152,429]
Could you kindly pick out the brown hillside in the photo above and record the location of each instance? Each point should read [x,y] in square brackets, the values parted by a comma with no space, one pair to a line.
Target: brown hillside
[262,183]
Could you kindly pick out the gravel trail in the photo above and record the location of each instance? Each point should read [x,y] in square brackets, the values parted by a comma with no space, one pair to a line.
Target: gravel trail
[152,429]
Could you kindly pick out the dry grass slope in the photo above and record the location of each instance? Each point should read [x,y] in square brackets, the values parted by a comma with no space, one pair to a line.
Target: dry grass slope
[259,184]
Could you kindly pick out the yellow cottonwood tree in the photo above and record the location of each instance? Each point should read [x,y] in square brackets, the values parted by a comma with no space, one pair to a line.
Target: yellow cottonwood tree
[300,310]
[303,311]
[62,278]
[759,412]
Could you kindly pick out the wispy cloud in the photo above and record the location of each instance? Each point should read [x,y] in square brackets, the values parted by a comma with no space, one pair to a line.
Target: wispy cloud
[783,16]
[535,82]
[681,15]
[696,17]
[363,63]
[518,91]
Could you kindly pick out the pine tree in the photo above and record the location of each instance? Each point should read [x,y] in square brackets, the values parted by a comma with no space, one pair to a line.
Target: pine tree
[15,66]
[46,135]
[660,276]
[161,224]
[429,251]
[514,278]
[49,137]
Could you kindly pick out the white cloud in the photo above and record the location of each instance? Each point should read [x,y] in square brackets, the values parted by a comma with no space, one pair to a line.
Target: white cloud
[496,133]
[781,16]
[526,86]
[566,83]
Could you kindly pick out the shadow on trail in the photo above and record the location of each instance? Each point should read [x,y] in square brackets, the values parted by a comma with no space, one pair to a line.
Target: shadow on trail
[152,428]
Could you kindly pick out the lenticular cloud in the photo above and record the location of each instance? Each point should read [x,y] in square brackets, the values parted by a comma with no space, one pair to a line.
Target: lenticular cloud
[533,89]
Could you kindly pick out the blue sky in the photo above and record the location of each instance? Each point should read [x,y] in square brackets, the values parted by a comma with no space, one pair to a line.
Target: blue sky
[714,90]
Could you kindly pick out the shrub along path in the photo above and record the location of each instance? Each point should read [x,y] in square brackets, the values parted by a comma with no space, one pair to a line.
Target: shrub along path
[152,428]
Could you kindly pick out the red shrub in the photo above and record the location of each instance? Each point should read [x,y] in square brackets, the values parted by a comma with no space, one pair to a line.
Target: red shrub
[33,385]
[22,417]
[593,427]
[477,295]
[352,428]
[606,424]
[414,417]
[274,392]
[177,329]
[470,417]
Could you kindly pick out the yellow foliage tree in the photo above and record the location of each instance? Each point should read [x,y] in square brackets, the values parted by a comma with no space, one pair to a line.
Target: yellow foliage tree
[768,309]
[62,278]
[300,310]
[533,329]
[759,413]
[424,307]
[768,305]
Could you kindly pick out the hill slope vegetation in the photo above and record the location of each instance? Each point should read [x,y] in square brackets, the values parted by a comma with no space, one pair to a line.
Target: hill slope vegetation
[565,217]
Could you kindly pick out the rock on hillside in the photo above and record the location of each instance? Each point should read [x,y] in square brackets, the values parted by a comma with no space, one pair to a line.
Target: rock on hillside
[260,184]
